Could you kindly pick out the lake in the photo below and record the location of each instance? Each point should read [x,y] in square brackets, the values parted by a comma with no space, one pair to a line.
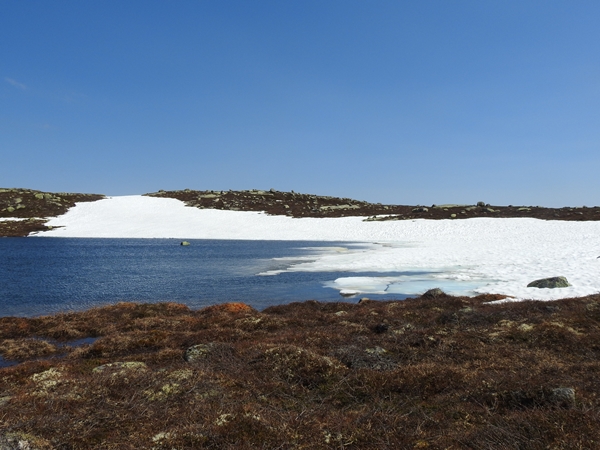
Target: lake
[48,275]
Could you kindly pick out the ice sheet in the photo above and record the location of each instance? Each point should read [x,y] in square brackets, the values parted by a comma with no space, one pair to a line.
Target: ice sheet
[486,255]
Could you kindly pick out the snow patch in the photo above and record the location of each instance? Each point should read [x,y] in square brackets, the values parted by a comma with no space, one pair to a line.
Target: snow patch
[478,255]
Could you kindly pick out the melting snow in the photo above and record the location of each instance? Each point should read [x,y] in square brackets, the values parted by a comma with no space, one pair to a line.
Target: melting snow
[480,255]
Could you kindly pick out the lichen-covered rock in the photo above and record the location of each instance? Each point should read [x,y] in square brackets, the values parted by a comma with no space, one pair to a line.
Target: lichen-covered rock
[550,283]
[47,381]
[433,293]
[22,441]
[376,358]
[563,396]
[296,364]
[201,352]
[171,385]
[120,368]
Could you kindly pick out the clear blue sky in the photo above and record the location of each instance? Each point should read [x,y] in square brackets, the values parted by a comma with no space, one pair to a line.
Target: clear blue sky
[413,102]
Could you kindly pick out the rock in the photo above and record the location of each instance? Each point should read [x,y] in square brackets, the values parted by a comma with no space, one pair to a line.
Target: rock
[525,327]
[550,283]
[296,364]
[202,352]
[381,328]
[197,352]
[453,216]
[563,396]
[433,293]
[184,243]
[420,209]
[481,204]
[120,368]
[376,358]
[10,209]
[22,441]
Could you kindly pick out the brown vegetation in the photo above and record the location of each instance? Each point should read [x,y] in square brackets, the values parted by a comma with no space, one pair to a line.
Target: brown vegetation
[294,204]
[440,372]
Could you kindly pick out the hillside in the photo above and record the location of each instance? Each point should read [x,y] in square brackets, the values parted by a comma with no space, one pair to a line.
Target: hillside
[306,205]
[32,208]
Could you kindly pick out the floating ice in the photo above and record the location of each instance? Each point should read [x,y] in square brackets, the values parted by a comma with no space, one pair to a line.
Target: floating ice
[479,255]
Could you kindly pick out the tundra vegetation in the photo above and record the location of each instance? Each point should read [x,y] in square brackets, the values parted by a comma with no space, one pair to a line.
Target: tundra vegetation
[435,372]
[33,208]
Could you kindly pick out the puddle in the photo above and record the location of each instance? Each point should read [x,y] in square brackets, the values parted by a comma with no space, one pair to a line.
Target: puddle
[61,345]
[6,362]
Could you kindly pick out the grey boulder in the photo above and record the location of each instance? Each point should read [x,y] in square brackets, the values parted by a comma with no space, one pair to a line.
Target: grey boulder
[550,283]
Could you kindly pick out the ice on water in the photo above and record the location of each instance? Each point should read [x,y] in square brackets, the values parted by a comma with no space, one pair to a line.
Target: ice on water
[467,256]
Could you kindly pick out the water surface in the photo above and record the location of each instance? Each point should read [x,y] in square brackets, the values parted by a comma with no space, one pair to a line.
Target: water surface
[47,275]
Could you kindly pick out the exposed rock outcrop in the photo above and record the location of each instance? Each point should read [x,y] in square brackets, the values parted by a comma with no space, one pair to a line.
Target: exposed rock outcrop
[550,283]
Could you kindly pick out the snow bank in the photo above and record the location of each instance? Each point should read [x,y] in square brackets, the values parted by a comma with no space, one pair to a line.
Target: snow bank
[481,255]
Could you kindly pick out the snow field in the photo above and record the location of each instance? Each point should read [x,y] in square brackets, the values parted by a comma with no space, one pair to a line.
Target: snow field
[466,256]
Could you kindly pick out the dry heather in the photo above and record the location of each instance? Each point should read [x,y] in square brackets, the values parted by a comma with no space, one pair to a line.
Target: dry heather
[35,207]
[437,373]
[294,204]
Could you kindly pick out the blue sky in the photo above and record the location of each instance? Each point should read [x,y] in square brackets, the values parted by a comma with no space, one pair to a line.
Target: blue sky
[410,102]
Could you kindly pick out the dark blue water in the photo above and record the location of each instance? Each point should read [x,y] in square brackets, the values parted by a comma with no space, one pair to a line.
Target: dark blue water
[48,275]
